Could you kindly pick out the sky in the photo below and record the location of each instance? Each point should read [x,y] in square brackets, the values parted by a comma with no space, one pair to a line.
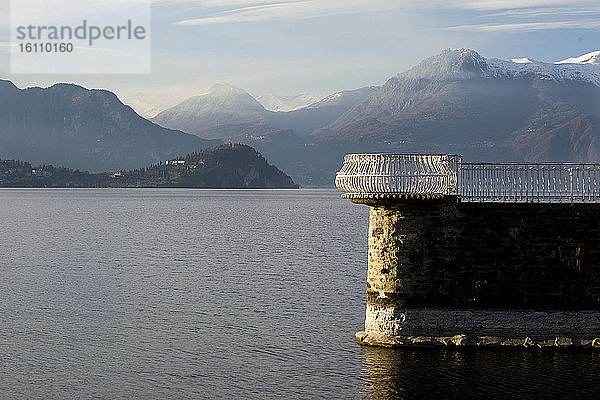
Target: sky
[286,47]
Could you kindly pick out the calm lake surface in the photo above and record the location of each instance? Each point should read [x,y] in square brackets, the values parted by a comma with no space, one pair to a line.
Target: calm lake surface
[185,294]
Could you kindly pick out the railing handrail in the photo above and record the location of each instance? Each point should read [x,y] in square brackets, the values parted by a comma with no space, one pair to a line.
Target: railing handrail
[436,175]
[549,164]
[402,154]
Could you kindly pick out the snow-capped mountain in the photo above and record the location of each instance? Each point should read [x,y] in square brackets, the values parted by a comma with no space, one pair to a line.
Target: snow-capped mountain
[589,58]
[467,64]
[145,106]
[230,113]
[483,108]
[274,102]
[223,106]
[457,101]
[149,105]
[344,98]
[583,69]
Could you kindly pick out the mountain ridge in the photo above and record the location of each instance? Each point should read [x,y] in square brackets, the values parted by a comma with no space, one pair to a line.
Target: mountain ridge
[444,87]
[71,126]
[225,166]
[230,113]
[457,102]
[272,102]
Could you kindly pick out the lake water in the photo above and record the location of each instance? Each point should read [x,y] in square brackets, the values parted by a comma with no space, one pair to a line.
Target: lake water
[185,294]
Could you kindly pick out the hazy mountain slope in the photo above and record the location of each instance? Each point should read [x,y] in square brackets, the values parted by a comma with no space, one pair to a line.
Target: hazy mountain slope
[68,125]
[230,113]
[578,140]
[456,101]
[277,103]
[459,101]
[217,114]
[309,120]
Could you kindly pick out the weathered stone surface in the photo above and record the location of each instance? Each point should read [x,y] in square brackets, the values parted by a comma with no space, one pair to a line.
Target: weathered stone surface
[447,273]
[460,341]
[445,253]
[502,323]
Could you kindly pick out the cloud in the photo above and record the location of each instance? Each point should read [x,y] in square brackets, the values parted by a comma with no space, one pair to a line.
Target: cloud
[235,11]
[222,3]
[292,10]
[483,5]
[543,12]
[491,5]
[528,26]
[534,15]
[61,11]
[238,3]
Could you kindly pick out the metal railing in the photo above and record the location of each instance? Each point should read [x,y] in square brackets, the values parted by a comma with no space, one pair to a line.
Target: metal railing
[530,183]
[390,175]
[430,176]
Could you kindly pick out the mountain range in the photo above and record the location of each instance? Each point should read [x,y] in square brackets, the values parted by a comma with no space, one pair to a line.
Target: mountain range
[455,102]
[461,102]
[230,113]
[274,102]
[70,126]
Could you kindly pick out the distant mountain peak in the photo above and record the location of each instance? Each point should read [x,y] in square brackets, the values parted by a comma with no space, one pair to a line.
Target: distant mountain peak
[275,102]
[226,90]
[589,58]
[69,86]
[224,105]
[72,126]
[222,97]
[449,64]
[460,64]
[345,97]
[523,60]
[6,85]
[577,69]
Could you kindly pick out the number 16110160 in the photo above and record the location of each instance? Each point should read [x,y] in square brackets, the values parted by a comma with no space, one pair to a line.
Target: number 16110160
[46,47]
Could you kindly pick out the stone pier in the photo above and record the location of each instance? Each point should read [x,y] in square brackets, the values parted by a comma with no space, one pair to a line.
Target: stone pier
[446,271]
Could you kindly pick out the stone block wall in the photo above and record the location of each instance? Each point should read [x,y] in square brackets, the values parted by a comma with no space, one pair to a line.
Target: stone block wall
[443,268]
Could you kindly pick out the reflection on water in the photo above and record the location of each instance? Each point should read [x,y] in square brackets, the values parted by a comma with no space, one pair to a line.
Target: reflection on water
[445,374]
